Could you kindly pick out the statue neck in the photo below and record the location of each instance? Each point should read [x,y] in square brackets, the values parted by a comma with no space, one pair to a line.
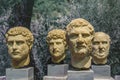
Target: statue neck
[99,61]
[19,64]
[81,62]
[58,59]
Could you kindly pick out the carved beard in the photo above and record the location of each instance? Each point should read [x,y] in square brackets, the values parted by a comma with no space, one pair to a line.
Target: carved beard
[82,51]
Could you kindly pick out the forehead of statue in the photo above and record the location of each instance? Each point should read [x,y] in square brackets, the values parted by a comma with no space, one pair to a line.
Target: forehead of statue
[16,38]
[101,37]
[56,40]
[79,30]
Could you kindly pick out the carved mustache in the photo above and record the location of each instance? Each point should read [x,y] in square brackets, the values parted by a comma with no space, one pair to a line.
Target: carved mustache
[55,50]
[15,52]
[102,50]
[80,46]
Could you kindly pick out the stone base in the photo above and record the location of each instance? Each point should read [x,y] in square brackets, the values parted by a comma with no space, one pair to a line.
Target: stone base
[20,74]
[104,79]
[57,70]
[54,78]
[117,77]
[101,71]
[2,77]
[81,75]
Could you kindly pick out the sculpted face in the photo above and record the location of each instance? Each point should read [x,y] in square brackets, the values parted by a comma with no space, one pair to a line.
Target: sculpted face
[56,40]
[101,44]
[57,47]
[19,41]
[18,48]
[80,34]
[80,40]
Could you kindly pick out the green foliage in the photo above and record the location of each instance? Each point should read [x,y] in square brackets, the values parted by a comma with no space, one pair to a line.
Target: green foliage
[6,5]
[104,15]
[50,7]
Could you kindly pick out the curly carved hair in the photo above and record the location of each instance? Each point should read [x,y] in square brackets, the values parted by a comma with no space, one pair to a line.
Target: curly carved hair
[56,34]
[19,30]
[79,23]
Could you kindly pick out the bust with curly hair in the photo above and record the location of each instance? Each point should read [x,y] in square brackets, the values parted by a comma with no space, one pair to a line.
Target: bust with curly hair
[79,37]
[56,40]
[19,41]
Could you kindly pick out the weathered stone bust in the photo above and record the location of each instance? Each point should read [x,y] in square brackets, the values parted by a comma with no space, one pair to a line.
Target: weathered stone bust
[101,45]
[79,36]
[19,41]
[56,40]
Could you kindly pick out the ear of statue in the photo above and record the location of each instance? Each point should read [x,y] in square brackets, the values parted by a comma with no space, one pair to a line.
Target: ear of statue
[31,44]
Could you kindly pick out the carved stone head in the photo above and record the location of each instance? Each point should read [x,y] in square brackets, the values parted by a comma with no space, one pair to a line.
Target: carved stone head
[79,36]
[101,45]
[19,41]
[56,40]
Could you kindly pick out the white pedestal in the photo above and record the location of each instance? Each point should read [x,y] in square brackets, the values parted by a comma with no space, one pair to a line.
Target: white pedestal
[81,75]
[57,70]
[20,74]
[105,79]
[2,77]
[101,71]
[117,77]
[54,78]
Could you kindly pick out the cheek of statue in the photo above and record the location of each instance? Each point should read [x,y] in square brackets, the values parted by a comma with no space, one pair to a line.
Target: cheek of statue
[101,49]
[80,43]
[57,50]
[56,47]
[101,45]
[101,53]
[18,48]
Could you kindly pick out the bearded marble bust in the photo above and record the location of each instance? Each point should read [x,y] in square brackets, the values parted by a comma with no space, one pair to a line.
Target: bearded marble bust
[80,34]
[56,40]
[19,41]
[101,45]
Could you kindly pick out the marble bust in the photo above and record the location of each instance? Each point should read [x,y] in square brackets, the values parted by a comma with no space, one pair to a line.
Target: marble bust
[19,41]
[80,34]
[56,40]
[101,45]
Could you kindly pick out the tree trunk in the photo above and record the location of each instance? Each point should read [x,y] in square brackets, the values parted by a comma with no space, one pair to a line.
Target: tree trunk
[21,14]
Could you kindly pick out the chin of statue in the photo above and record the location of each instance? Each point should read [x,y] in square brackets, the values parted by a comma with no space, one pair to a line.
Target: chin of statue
[100,56]
[81,52]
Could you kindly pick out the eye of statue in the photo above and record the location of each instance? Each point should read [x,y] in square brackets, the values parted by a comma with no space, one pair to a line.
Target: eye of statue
[10,43]
[58,43]
[95,43]
[73,35]
[19,42]
[85,35]
[51,43]
[104,42]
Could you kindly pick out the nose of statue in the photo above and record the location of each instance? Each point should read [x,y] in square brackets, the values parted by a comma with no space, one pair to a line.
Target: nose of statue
[14,46]
[54,46]
[80,39]
[100,46]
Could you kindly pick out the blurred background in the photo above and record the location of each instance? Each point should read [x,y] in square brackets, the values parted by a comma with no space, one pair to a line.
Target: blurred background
[41,16]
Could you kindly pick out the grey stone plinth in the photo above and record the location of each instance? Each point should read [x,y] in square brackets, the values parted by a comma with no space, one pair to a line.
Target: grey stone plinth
[101,71]
[54,78]
[57,70]
[2,77]
[81,75]
[117,77]
[20,74]
[104,79]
